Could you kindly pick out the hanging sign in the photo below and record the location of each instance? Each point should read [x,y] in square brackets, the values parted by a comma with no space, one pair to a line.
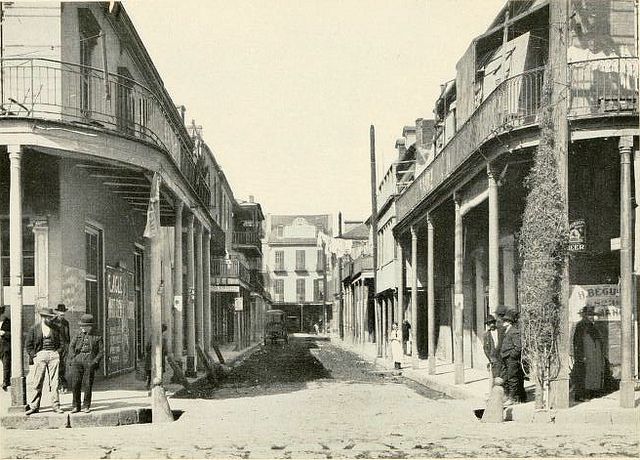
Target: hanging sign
[177,302]
[577,236]
[238,304]
[120,320]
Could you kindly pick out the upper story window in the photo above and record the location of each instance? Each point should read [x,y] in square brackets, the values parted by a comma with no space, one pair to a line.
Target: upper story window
[89,34]
[300,290]
[279,261]
[300,259]
[320,260]
[280,231]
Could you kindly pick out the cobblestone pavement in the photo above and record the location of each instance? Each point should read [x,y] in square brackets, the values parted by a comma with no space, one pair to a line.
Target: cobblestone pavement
[314,400]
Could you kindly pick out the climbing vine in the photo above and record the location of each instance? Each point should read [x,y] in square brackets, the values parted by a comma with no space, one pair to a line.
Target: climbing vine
[542,250]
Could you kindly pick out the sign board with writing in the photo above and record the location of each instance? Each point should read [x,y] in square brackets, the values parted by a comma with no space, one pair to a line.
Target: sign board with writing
[605,300]
[239,304]
[577,237]
[120,320]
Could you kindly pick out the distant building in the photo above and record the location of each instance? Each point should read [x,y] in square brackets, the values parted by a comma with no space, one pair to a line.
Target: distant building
[297,268]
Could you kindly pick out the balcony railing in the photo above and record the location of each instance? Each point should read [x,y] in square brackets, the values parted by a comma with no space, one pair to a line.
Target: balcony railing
[597,87]
[230,268]
[247,238]
[85,96]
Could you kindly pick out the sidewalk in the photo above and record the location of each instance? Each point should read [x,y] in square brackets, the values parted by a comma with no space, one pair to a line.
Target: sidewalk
[119,400]
[476,388]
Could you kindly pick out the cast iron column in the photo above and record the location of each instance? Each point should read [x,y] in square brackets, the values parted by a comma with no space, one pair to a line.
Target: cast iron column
[431,308]
[414,295]
[206,295]
[494,241]
[178,299]
[191,295]
[458,298]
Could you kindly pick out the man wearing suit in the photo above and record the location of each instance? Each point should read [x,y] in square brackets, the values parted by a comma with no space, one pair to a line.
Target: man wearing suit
[5,348]
[43,346]
[490,346]
[85,353]
[510,351]
[63,327]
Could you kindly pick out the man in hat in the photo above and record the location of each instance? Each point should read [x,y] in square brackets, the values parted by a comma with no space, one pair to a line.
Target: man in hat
[85,353]
[5,347]
[588,355]
[43,346]
[65,338]
[490,346]
[510,352]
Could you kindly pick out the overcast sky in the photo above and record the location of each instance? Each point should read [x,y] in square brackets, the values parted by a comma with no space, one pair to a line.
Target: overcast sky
[286,90]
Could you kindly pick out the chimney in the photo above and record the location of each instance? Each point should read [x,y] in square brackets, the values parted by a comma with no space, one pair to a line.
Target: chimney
[419,133]
[251,198]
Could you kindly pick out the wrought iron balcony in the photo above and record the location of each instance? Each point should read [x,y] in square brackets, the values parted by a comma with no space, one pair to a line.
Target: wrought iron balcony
[601,87]
[228,271]
[85,96]
[250,238]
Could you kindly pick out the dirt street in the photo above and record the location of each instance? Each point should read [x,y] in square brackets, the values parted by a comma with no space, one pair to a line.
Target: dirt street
[312,399]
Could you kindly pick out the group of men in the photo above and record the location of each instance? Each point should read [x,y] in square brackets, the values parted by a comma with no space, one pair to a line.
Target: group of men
[503,348]
[51,349]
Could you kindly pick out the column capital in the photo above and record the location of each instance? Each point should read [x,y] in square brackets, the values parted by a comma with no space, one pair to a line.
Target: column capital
[15,150]
[625,144]
[39,224]
[414,233]
[429,222]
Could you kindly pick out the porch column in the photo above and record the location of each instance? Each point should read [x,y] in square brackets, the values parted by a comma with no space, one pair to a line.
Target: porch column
[414,294]
[458,358]
[41,262]
[206,298]
[494,241]
[199,290]
[508,273]
[479,294]
[383,329]
[626,277]
[431,308]
[18,390]
[178,337]
[191,289]
[400,283]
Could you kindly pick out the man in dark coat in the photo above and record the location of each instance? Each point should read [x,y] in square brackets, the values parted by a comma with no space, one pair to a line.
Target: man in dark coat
[63,326]
[5,347]
[510,352]
[43,347]
[85,353]
[406,329]
[588,354]
[490,346]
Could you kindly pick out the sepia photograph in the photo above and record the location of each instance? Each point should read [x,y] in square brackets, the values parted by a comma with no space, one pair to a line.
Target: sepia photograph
[287,229]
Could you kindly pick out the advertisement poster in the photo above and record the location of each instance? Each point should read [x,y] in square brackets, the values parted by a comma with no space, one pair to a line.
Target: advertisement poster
[120,321]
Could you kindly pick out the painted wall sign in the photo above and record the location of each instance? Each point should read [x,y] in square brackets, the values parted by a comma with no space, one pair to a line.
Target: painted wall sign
[120,320]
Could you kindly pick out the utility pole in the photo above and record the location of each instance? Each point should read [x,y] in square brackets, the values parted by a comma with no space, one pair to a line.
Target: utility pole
[324,285]
[558,41]
[374,237]
[340,294]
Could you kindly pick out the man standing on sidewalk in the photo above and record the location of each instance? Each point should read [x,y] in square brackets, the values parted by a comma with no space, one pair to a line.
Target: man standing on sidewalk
[5,348]
[510,351]
[85,353]
[491,350]
[43,347]
[65,338]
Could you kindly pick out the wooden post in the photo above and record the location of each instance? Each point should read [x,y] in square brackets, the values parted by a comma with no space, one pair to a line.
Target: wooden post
[414,295]
[18,383]
[458,358]
[627,384]
[160,410]
[431,307]
[374,234]
[400,282]
[178,299]
[494,241]
[342,291]
[206,295]
[190,310]
[558,41]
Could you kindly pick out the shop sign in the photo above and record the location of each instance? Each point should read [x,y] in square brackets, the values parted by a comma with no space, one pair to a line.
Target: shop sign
[177,302]
[604,298]
[120,320]
[238,304]
[577,237]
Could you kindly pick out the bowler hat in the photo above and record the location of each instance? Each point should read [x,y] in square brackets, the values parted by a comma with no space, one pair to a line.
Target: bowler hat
[45,311]
[490,319]
[588,310]
[61,307]
[510,315]
[501,310]
[86,320]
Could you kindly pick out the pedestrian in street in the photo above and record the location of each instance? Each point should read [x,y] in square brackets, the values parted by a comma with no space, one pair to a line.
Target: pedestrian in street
[43,348]
[85,353]
[5,347]
[147,357]
[65,338]
[316,328]
[588,354]
[510,352]
[491,350]
[406,330]
[396,345]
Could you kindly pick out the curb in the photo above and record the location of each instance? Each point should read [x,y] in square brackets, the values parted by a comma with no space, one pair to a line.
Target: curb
[80,420]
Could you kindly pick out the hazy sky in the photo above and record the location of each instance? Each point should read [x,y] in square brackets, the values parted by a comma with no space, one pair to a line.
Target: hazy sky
[286,90]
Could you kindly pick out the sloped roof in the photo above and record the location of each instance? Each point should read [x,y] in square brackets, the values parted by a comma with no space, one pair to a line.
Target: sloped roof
[361,232]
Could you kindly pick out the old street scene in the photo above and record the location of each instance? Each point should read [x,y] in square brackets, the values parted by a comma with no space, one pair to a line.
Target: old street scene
[319,229]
